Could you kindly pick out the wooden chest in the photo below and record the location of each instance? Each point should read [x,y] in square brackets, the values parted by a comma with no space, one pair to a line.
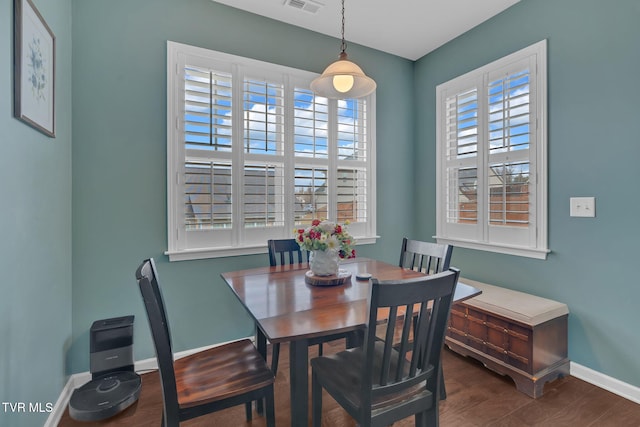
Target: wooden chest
[512,333]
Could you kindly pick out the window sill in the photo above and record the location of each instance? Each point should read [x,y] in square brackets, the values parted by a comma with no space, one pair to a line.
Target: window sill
[501,249]
[223,252]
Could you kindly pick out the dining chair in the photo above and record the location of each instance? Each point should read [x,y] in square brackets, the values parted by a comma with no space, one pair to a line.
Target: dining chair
[380,383]
[209,380]
[286,251]
[426,257]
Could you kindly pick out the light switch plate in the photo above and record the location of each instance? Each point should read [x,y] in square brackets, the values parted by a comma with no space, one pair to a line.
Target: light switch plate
[582,206]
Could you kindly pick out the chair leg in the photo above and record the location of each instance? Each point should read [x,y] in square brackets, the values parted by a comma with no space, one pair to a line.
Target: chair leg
[320,349]
[275,356]
[355,339]
[248,411]
[271,413]
[261,344]
[316,401]
[427,418]
[443,390]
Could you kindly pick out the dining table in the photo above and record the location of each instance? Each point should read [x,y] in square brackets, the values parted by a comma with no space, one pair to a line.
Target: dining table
[286,309]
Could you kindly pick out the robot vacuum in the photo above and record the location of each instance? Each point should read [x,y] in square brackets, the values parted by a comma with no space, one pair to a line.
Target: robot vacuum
[105,396]
[114,385]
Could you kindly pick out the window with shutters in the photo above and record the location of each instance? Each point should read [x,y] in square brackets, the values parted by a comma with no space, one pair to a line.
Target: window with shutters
[253,154]
[491,156]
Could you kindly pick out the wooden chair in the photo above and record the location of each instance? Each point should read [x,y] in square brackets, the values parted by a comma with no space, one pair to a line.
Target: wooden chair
[286,250]
[207,381]
[379,383]
[426,257]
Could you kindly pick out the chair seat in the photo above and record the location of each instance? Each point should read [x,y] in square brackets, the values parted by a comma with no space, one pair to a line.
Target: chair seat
[340,372]
[219,373]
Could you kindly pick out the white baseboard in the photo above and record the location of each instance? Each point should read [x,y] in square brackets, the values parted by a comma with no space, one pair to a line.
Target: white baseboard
[606,382]
[75,381]
[79,379]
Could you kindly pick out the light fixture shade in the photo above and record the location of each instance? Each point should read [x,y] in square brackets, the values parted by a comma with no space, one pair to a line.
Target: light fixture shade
[343,79]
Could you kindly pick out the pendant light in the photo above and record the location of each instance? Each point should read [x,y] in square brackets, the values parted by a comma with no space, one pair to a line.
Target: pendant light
[343,78]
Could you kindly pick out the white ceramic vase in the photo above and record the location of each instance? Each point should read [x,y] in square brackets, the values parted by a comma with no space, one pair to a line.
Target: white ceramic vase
[324,263]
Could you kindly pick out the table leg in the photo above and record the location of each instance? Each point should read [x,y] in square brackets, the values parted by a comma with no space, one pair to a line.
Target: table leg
[355,339]
[299,371]
[261,345]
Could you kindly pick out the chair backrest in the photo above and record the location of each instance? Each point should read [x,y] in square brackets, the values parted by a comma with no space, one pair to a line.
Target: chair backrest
[284,251]
[426,257]
[413,361]
[147,277]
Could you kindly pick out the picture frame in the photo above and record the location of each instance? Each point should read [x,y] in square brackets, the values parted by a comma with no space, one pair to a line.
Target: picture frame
[34,68]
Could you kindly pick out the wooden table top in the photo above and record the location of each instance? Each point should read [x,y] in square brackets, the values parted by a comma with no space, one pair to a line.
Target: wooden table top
[286,308]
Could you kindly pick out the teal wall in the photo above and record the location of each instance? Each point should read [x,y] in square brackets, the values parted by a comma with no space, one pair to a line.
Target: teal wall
[593,63]
[35,232]
[116,194]
[119,158]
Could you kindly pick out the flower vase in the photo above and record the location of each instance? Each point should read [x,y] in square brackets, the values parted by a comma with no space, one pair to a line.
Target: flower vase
[324,263]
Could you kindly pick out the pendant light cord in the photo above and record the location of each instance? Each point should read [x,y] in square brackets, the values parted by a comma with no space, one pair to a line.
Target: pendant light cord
[343,46]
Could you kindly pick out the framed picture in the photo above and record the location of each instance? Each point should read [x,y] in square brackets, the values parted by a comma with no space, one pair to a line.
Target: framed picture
[34,68]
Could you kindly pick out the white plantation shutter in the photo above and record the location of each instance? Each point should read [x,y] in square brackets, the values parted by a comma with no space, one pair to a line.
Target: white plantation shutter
[491,156]
[461,118]
[207,195]
[311,156]
[314,157]
[207,109]
[311,125]
[207,131]
[353,146]
[263,117]
[352,195]
[253,153]
[511,135]
[263,177]
[312,198]
[352,130]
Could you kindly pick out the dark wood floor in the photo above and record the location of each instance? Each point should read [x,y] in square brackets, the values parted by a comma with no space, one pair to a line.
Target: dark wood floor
[476,397]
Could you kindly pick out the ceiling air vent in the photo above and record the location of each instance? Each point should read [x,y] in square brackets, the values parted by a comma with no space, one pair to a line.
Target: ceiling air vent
[305,5]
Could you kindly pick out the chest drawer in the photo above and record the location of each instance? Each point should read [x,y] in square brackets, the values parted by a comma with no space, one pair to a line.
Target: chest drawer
[531,354]
[501,338]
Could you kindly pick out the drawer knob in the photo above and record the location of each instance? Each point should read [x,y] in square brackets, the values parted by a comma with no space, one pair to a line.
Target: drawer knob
[506,330]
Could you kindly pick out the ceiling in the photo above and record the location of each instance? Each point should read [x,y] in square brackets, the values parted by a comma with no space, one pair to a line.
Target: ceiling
[406,28]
